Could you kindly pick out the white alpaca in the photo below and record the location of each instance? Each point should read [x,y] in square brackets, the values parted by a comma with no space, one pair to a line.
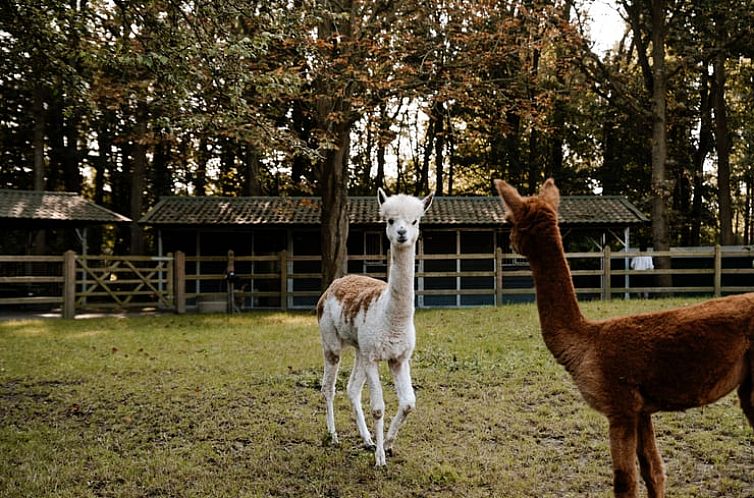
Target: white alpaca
[377,319]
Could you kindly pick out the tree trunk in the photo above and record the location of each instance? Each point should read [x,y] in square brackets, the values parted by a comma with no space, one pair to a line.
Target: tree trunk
[39,245]
[747,209]
[661,192]
[512,142]
[334,216]
[39,137]
[227,167]
[200,177]
[451,153]
[138,183]
[300,164]
[382,141]
[722,147]
[101,167]
[422,175]
[439,148]
[750,209]
[252,185]
[55,126]
[161,177]
[71,172]
[700,155]
[534,170]
[554,167]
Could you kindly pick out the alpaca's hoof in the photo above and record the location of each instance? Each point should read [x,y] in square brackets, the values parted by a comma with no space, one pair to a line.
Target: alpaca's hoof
[379,457]
[389,452]
[330,439]
[370,446]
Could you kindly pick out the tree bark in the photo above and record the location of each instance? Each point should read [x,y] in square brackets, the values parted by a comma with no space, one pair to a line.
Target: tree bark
[439,148]
[39,137]
[102,165]
[422,175]
[200,176]
[379,180]
[334,216]
[138,183]
[451,153]
[700,155]
[661,192]
[40,242]
[162,180]
[722,147]
[252,185]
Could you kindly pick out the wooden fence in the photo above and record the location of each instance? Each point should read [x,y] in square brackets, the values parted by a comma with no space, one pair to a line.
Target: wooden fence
[74,282]
[282,281]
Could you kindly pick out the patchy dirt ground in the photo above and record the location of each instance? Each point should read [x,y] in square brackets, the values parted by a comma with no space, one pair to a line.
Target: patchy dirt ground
[230,406]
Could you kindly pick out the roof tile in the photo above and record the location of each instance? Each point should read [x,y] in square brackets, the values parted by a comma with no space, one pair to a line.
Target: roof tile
[597,210]
[26,205]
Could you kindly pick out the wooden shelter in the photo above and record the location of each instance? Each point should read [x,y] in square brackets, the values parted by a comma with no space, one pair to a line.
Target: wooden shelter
[460,235]
[23,213]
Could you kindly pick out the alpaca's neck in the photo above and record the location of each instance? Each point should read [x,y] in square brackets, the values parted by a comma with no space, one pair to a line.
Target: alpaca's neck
[559,315]
[400,285]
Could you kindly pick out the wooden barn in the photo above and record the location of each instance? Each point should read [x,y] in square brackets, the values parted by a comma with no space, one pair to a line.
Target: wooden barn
[456,252]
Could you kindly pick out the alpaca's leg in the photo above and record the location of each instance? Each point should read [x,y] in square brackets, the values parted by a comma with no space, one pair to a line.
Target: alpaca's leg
[650,461]
[623,442]
[377,404]
[406,399]
[746,392]
[355,385]
[332,361]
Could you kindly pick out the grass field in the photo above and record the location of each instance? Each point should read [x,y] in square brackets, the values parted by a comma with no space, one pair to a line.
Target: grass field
[210,405]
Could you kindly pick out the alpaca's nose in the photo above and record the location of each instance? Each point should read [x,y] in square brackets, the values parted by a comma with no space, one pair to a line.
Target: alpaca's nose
[402,232]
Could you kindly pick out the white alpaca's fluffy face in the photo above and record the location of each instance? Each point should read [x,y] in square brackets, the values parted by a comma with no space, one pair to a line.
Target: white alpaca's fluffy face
[402,214]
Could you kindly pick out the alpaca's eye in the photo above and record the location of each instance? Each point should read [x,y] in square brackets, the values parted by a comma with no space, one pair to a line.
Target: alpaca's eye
[414,222]
[391,221]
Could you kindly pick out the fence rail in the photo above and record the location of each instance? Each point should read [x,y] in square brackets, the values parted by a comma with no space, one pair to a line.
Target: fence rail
[282,281]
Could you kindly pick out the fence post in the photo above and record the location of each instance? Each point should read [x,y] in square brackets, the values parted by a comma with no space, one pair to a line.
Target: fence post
[607,272]
[69,285]
[284,280]
[170,285]
[498,276]
[718,270]
[179,281]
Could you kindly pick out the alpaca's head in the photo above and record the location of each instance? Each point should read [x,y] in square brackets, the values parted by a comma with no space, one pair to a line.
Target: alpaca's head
[530,217]
[402,214]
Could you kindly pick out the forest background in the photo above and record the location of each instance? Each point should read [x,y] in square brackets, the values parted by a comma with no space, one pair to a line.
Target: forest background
[128,101]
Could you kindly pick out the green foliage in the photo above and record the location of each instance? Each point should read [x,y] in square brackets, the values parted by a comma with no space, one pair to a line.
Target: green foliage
[212,405]
[248,97]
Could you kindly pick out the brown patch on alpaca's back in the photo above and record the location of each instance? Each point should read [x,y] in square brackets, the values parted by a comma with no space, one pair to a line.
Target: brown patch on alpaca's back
[355,293]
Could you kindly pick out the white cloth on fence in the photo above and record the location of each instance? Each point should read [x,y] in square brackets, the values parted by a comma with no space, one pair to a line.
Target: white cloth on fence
[642,263]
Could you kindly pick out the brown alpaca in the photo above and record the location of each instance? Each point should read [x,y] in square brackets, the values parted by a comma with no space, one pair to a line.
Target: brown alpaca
[630,367]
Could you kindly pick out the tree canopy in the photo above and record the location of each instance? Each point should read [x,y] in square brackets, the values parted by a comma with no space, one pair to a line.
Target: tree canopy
[129,101]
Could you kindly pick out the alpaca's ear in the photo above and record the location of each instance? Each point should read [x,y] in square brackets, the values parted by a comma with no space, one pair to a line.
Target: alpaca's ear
[512,201]
[427,201]
[381,196]
[550,193]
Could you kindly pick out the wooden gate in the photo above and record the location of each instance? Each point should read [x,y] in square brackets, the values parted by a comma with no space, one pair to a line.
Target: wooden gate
[122,282]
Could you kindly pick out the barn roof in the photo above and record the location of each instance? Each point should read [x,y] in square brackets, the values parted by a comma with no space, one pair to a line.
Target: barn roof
[233,211]
[27,206]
